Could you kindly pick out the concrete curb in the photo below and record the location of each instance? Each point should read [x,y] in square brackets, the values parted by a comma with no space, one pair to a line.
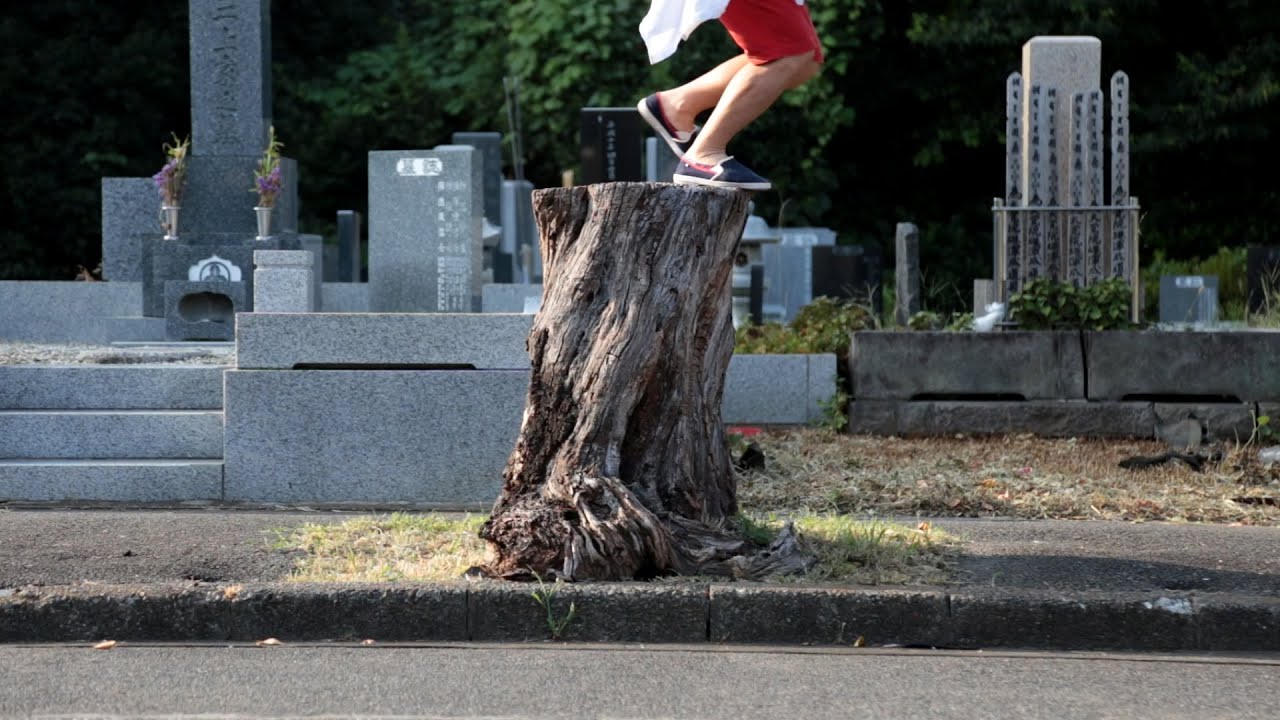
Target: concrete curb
[644,613]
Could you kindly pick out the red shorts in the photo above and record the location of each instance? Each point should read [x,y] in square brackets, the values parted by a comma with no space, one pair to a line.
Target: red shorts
[767,30]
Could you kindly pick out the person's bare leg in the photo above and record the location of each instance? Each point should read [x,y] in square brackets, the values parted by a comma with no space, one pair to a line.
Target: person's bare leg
[748,94]
[682,105]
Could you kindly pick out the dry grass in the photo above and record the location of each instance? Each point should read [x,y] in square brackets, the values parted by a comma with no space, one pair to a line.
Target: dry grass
[439,548]
[1009,476]
[401,546]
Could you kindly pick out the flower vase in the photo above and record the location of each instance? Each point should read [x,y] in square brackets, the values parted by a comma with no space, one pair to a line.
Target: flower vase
[264,221]
[169,221]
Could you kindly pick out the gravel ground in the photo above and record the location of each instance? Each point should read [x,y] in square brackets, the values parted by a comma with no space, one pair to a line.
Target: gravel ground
[14,353]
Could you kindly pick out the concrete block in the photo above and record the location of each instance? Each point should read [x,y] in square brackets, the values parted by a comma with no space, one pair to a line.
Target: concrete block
[1046,418]
[874,417]
[603,612]
[64,311]
[824,381]
[481,341]
[282,281]
[1205,366]
[510,297]
[766,389]
[111,387]
[436,436]
[202,310]
[344,297]
[827,616]
[1226,421]
[119,434]
[1074,621]
[110,480]
[315,612]
[130,207]
[1031,365]
[1231,622]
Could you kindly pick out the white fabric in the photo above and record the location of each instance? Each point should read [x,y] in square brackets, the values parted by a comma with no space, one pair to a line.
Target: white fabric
[670,21]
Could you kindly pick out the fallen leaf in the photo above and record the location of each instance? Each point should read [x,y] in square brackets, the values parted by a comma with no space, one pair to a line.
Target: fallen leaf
[105,645]
[269,642]
[231,592]
[367,642]
[924,526]
[860,642]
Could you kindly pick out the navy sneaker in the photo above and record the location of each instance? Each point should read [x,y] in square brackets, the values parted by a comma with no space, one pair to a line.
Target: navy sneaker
[728,174]
[651,110]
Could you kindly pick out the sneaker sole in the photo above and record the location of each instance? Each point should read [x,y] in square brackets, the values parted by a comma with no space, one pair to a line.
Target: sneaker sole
[659,128]
[690,180]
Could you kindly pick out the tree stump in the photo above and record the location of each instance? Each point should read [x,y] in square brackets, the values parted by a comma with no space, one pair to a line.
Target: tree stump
[621,469]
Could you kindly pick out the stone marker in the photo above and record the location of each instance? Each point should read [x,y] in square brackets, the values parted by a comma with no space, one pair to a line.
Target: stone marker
[907,273]
[490,146]
[425,221]
[282,281]
[130,209]
[1189,299]
[1068,64]
[350,259]
[611,145]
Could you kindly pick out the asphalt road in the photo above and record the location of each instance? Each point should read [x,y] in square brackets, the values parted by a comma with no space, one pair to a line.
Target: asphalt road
[545,681]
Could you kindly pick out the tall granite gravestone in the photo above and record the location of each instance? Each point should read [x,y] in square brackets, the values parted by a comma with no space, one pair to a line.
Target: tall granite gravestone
[611,145]
[425,226]
[520,232]
[230,58]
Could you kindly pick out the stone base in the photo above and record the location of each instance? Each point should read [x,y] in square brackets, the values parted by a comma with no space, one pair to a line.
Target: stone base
[777,389]
[1045,418]
[433,437]
[203,310]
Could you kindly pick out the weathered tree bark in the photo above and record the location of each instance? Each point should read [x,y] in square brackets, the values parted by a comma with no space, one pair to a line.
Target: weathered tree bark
[621,469]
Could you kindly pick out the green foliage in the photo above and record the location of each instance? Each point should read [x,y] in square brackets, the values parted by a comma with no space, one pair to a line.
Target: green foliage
[1048,305]
[823,326]
[834,417]
[545,596]
[905,120]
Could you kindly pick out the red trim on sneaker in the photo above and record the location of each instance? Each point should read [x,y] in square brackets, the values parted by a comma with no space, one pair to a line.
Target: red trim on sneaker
[698,166]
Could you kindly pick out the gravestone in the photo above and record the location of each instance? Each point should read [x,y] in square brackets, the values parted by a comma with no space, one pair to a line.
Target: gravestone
[230,57]
[906,273]
[520,232]
[350,257]
[129,211]
[425,225]
[231,101]
[1262,265]
[1067,65]
[612,145]
[1189,299]
[788,271]
[490,146]
[660,163]
[848,272]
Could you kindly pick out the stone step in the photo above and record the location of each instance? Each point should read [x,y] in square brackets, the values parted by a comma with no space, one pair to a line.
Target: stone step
[111,387]
[90,434]
[119,480]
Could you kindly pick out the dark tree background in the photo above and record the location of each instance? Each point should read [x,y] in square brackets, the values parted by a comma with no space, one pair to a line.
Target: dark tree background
[905,123]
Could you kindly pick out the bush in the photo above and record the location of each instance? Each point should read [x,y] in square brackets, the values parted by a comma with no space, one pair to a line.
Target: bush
[1050,305]
[822,326]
